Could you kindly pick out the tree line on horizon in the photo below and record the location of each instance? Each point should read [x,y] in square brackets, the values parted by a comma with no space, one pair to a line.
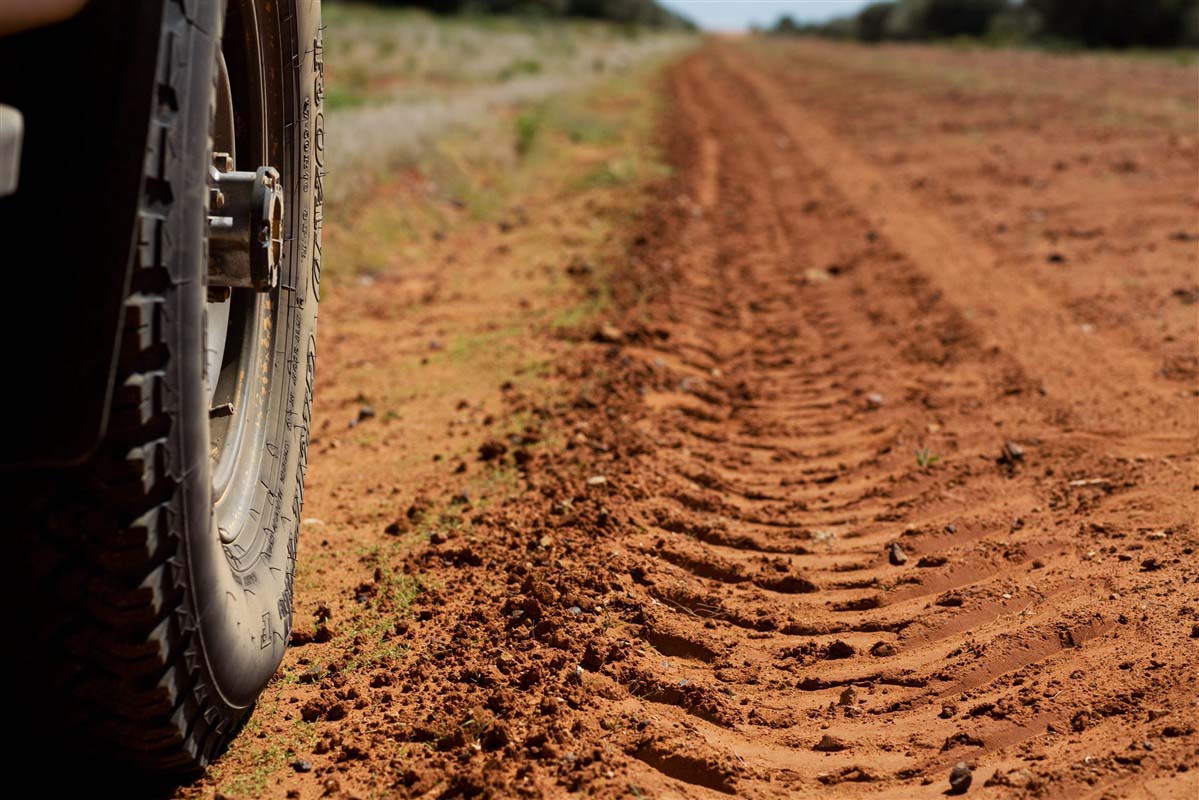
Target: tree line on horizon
[1085,23]
[647,13]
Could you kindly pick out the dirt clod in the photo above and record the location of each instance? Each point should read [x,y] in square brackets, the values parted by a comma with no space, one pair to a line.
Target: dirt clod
[883,649]
[491,450]
[1015,778]
[830,744]
[839,649]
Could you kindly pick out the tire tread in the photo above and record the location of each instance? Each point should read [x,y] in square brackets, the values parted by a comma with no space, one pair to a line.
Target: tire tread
[124,642]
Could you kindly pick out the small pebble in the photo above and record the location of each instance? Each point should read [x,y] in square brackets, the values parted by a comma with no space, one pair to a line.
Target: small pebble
[1011,453]
[609,334]
[960,778]
[896,555]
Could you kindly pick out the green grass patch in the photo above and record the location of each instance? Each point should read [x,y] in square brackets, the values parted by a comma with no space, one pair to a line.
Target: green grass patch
[373,626]
[586,128]
[583,313]
[339,97]
[253,778]
[528,128]
[617,172]
[480,345]
[523,66]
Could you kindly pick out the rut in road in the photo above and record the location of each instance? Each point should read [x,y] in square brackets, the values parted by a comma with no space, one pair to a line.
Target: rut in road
[808,345]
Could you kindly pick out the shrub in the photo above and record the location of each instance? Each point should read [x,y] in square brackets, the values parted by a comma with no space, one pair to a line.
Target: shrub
[1016,25]
[870,25]
[636,12]
[941,19]
[632,12]
[550,8]
[786,26]
[1119,23]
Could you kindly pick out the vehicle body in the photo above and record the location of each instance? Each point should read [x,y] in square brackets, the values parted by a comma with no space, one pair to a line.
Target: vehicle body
[163,238]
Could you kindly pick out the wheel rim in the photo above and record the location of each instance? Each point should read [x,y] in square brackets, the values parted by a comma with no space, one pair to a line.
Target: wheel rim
[239,325]
[216,318]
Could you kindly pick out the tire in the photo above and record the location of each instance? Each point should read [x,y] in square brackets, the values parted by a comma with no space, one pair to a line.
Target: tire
[148,634]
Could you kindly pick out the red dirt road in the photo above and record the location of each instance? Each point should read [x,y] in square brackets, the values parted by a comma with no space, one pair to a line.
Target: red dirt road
[892,463]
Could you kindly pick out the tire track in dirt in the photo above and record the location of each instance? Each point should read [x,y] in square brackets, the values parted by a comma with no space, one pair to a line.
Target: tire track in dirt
[788,400]
[1087,373]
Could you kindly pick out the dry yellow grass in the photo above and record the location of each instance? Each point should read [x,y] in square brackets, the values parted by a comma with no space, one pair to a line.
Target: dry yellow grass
[399,81]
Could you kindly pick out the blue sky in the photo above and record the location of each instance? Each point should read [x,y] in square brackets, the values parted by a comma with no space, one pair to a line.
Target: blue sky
[738,15]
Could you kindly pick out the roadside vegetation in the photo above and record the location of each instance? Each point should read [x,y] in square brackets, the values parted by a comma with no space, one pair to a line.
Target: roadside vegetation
[642,13]
[402,81]
[1055,24]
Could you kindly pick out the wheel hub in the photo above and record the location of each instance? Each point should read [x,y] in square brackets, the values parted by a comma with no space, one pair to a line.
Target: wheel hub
[245,228]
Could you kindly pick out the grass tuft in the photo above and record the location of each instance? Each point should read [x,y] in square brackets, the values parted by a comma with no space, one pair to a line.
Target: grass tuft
[925,458]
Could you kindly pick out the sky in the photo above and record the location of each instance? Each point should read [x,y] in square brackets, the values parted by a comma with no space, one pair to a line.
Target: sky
[738,15]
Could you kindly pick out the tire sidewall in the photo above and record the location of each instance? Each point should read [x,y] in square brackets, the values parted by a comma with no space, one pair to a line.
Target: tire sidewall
[241,600]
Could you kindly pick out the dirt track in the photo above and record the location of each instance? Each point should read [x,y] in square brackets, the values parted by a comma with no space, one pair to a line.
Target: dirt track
[890,463]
